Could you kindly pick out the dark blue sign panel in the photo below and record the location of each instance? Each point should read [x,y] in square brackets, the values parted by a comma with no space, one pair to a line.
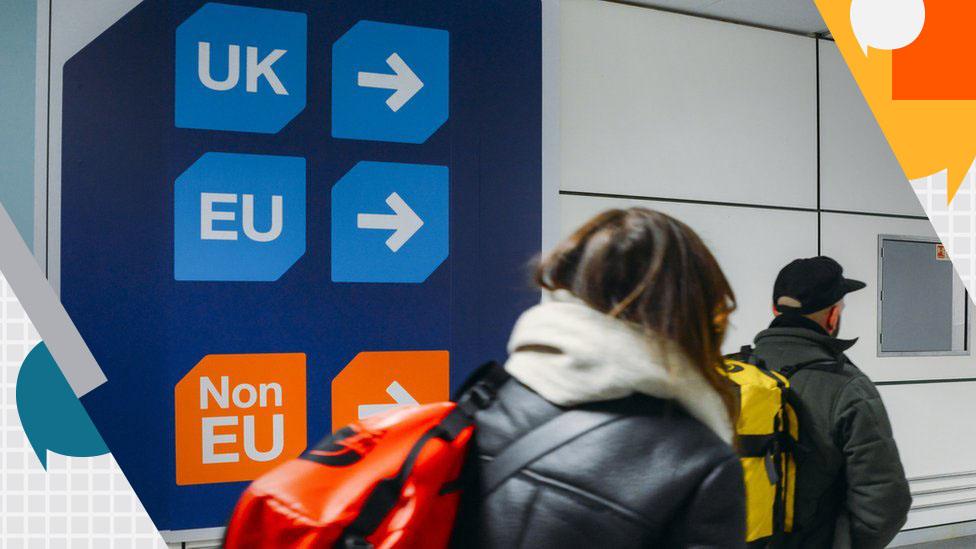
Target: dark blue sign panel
[259,196]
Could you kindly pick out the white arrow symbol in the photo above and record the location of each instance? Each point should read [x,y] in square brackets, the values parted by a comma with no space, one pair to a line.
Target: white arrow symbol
[404,222]
[404,81]
[400,396]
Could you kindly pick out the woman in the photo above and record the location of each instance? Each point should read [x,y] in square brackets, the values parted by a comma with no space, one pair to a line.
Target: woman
[633,331]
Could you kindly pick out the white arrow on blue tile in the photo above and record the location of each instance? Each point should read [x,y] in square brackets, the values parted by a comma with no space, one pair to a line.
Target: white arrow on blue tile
[404,222]
[404,81]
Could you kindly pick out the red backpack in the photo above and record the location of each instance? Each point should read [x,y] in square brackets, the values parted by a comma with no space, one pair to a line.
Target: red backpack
[389,481]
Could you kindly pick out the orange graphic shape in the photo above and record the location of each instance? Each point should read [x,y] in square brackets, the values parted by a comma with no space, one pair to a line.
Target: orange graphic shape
[927,137]
[367,380]
[238,416]
[939,63]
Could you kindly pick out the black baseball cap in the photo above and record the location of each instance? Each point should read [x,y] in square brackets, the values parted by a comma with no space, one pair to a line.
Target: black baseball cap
[811,284]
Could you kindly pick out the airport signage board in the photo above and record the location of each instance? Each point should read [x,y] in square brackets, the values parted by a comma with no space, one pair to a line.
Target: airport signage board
[281,216]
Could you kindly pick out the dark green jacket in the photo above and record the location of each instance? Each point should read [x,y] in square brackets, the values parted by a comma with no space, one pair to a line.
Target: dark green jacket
[850,481]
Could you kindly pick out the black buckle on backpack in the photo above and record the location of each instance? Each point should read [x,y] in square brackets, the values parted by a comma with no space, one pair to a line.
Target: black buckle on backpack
[482,395]
[771,461]
[747,354]
[481,389]
[478,397]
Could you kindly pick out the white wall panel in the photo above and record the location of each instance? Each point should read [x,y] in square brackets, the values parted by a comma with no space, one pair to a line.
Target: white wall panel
[665,105]
[937,439]
[751,244]
[858,171]
[853,241]
[661,105]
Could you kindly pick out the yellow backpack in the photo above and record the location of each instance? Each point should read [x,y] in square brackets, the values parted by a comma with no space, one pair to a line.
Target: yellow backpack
[767,434]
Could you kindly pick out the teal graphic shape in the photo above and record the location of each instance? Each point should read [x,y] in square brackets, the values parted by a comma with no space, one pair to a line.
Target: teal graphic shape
[51,414]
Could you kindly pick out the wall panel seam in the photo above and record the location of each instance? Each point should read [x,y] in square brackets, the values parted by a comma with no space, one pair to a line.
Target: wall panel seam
[593,194]
[635,4]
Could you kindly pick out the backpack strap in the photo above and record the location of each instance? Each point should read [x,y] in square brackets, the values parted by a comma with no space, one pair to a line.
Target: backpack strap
[745,354]
[385,495]
[834,365]
[538,442]
[490,376]
[477,393]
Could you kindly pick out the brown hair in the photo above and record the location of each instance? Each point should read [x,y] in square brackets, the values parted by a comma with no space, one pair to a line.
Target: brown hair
[648,268]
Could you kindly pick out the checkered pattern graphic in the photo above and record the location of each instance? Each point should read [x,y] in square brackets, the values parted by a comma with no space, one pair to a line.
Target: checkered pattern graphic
[83,503]
[955,223]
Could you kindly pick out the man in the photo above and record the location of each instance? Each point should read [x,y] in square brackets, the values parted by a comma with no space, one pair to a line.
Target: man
[851,489]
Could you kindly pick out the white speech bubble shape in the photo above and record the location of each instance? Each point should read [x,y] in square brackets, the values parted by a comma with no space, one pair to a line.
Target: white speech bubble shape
[887,24]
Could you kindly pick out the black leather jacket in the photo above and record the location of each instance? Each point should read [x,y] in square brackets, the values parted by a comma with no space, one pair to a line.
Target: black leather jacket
[655,477]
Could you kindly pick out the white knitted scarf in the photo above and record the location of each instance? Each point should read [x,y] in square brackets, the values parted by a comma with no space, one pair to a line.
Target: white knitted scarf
[570,353]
